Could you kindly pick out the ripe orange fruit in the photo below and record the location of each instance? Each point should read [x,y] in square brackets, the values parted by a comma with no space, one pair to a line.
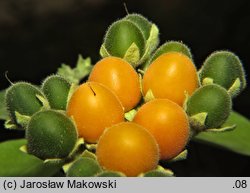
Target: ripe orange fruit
[169,76]
[168,123]
[119,76]
[128,148]
[94,108]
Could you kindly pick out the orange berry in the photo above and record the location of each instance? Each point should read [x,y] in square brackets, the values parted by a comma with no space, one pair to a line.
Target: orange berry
[169,76]
[119,76]
[168,123]
[127,148]
[94,108]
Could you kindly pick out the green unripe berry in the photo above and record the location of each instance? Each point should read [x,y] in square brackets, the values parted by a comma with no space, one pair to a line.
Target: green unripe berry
[110,174]
[84,167]
[21,97]
[141,22]
[224,68]
[121,35]
[56,89]
[213,100]
[172,46]
[50,134]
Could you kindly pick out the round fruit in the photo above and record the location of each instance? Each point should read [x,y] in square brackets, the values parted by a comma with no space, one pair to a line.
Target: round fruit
[168,123]
[94,107]
[56,90]
[121,35]
[127,148]
[213,100]
[224,68]
[21,97]
[50,134]
[120,77]
[170,76]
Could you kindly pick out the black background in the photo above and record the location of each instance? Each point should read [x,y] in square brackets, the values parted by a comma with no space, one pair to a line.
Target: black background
[37,36]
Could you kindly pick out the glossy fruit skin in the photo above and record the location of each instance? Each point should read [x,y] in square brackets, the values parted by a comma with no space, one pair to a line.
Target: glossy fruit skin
[212,99]
[56,89]
[127,148]
[170,76]
[50,134]
[168,123]
[21,97]
[120,77]
[94,107]
[84,167]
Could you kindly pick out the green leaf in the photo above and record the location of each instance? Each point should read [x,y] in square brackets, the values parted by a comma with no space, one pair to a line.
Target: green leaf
[237,140]
[3,111]
[75,75]
[14,162]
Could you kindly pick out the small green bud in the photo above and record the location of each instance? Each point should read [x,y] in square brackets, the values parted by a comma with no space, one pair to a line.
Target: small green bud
[208,107]
[56,89]
[84,167]
[22,98]
[224,68]
[125,40]
[110,174]
[50,134]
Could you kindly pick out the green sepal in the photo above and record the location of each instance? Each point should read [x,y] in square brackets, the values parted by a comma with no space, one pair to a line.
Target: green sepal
[185,100]
[149,96]
[129,116]
[8,124]
[151,43]
[83,167]
[44,102]
[54,161]
[75,75]
[104,52]
[23,149]
[222,129]
[79,143]
[234,90]
[132,55]
[207,81]
[158,172]
[22,120]
[89,154]
[91,147]
[197,121]
[181,156]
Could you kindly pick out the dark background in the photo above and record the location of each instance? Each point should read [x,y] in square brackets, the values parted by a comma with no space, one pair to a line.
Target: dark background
[37,36]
